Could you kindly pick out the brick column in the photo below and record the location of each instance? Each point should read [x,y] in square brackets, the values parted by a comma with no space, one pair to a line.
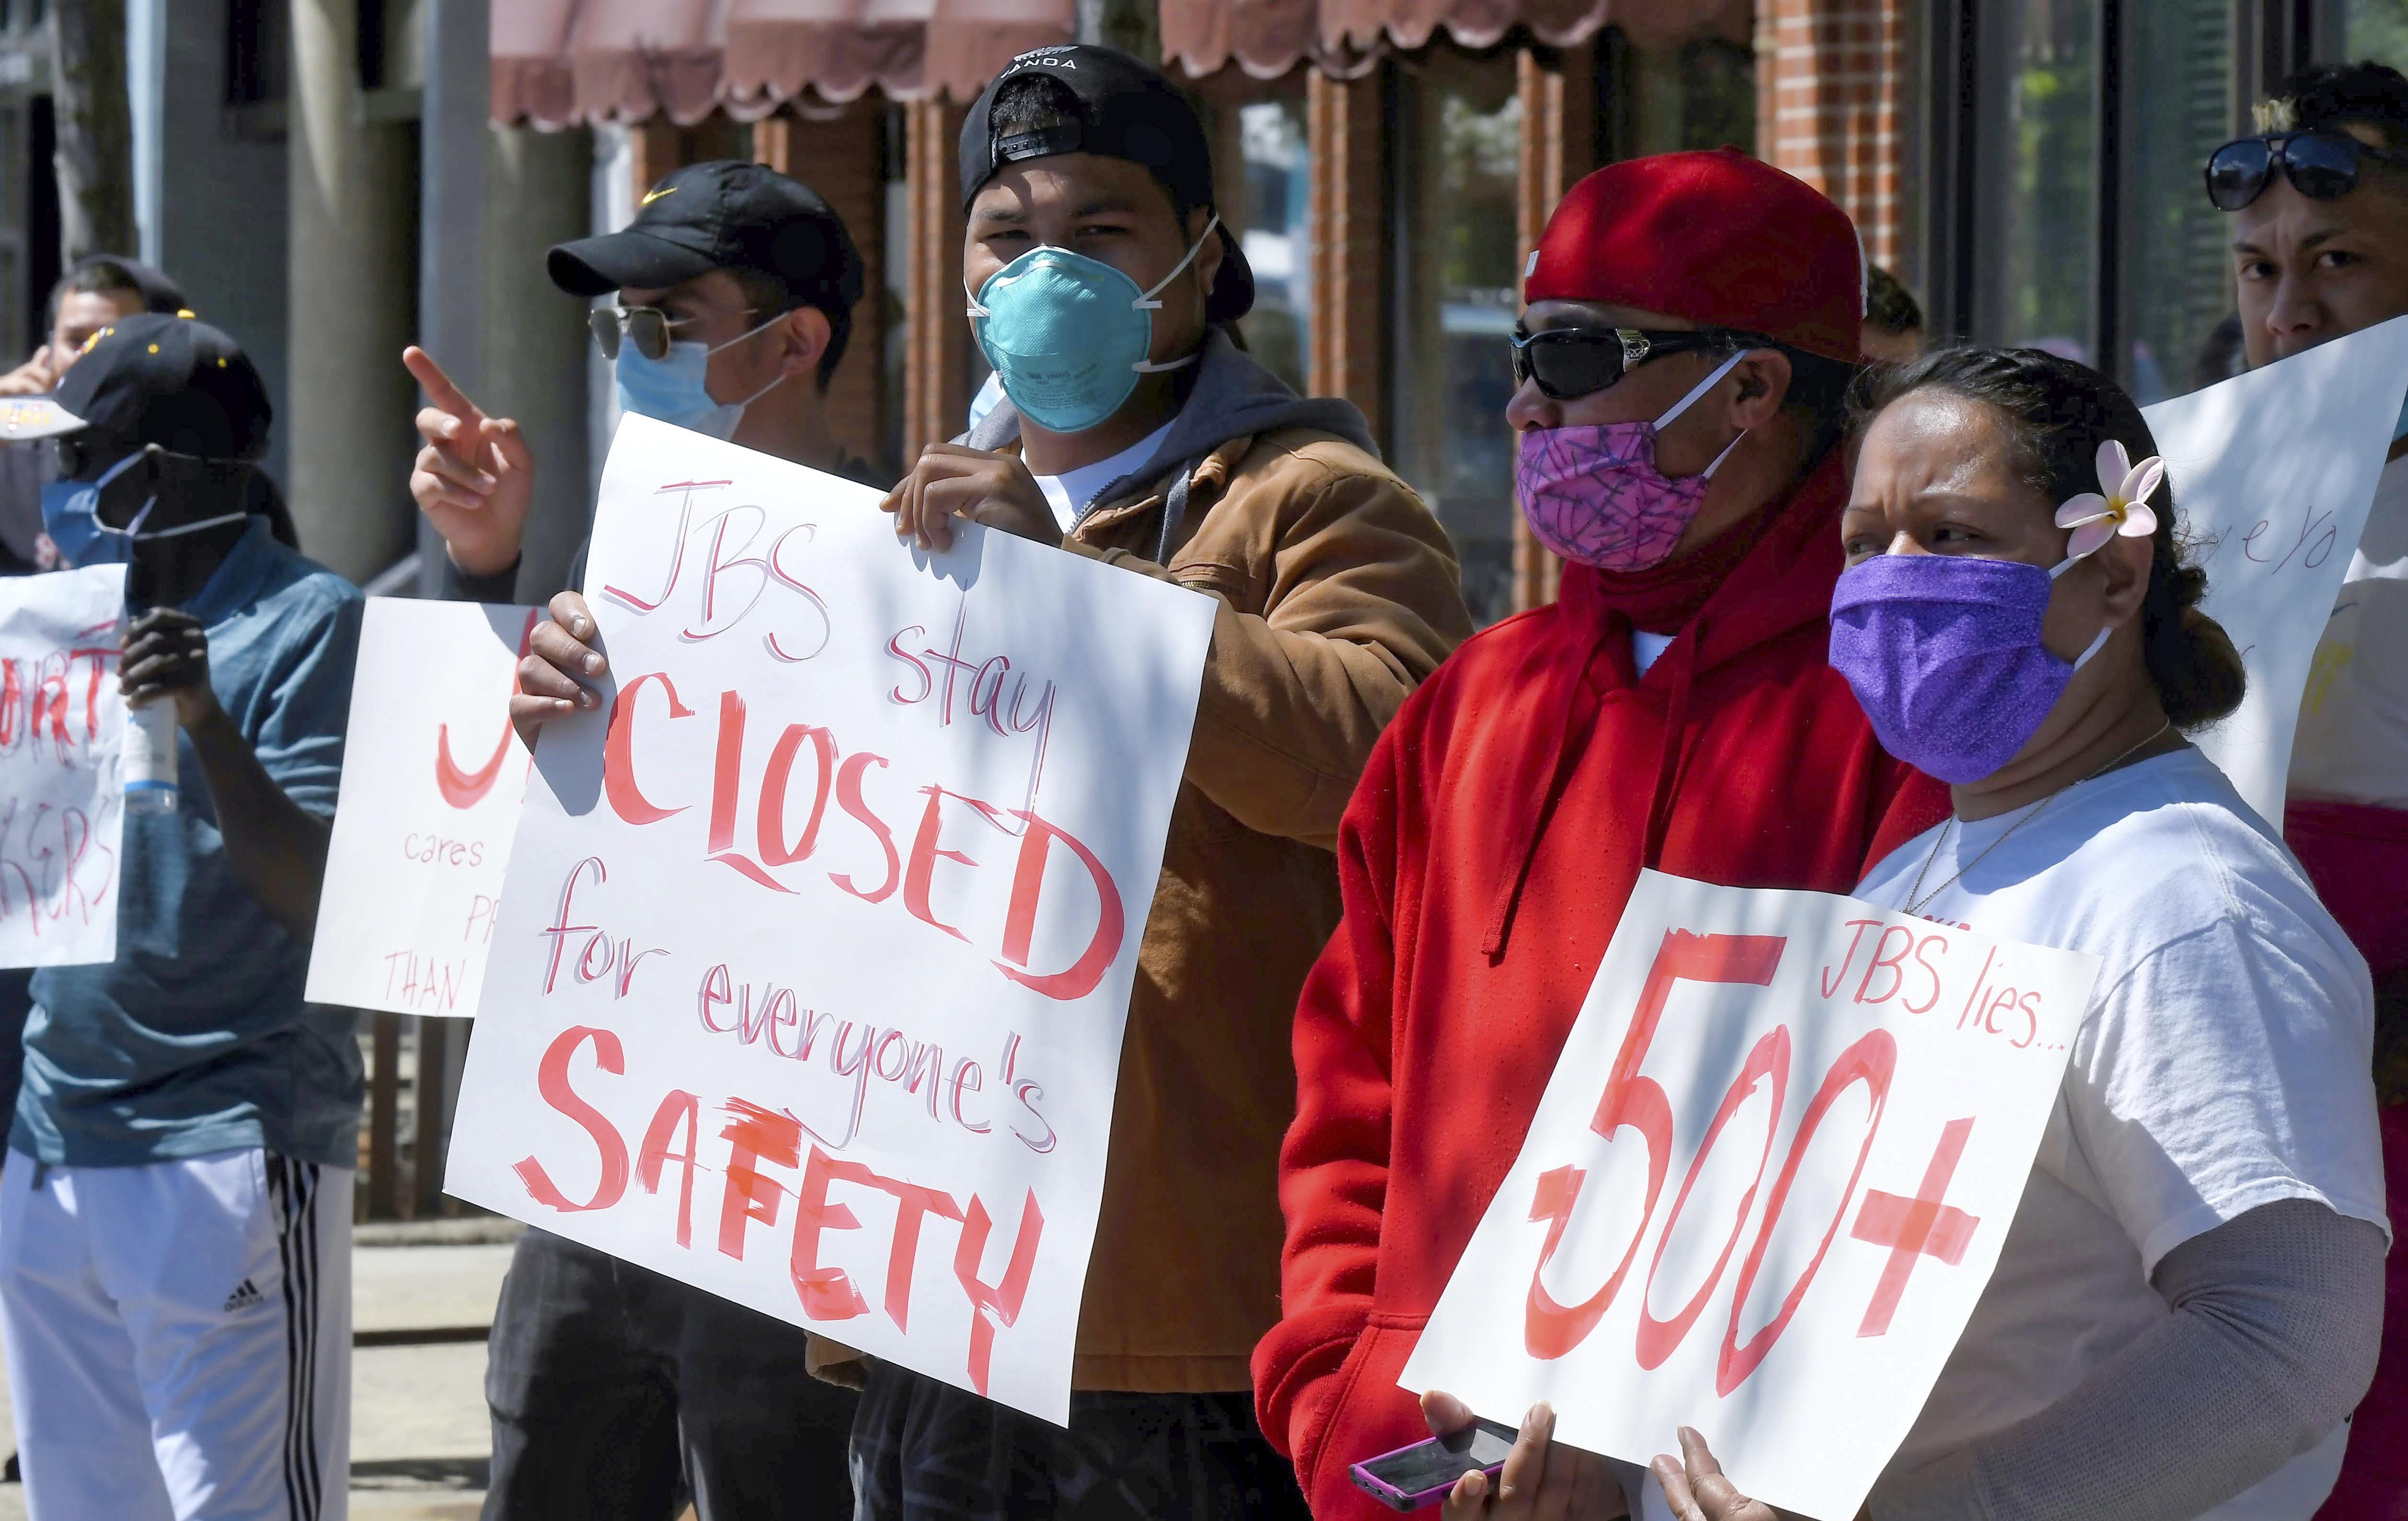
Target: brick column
[1347,212]
[1830,95]
[839,158]
[936,360]
[1558,92]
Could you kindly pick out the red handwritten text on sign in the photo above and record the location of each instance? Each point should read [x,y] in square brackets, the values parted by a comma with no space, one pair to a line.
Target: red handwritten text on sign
[765,1151]
[1767,1182]
[834,771]
[60,809]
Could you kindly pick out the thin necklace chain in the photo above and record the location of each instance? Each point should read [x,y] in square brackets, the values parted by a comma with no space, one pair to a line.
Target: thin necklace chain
[1917,905]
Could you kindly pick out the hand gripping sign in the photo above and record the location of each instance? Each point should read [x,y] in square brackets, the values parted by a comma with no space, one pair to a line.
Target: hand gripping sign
[432,780]
[2274,472]
[1768,1179]
[819,933]
[62,723]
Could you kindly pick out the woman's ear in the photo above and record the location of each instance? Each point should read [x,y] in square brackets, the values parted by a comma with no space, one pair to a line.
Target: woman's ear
[1763,379]
[807,333]
[2123,565]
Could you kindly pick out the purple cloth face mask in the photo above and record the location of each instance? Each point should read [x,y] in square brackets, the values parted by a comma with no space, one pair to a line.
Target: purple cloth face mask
[1945,655]
[1593,493]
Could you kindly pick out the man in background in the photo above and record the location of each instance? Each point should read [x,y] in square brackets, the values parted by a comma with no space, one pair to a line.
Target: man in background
[614,1388]
[2319,251]
[1892,321]
[97,291]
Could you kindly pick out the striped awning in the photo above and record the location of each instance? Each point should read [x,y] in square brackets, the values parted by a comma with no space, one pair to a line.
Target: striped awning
[1267,37]
[557,63]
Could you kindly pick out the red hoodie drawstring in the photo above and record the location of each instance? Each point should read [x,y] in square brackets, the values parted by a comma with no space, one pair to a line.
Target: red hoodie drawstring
[1579,711]
[1668,759]
[1577,715]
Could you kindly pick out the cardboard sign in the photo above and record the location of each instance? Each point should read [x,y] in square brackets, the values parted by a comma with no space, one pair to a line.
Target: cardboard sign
[2273,471]
[61,810]
[432,776]
[820,931]
[1770,1176]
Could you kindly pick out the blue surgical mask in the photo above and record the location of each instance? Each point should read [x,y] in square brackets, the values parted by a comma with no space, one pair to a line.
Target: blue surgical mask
[68,518]
[71,516]
[1068,335]
[673,388]
[2400,428]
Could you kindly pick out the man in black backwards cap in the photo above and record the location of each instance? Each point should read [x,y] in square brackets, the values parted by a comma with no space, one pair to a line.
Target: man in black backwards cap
[1135,432]
[614,1388]
[175,1223]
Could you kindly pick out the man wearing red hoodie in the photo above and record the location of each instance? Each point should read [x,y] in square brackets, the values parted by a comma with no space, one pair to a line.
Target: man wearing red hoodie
[1692,323]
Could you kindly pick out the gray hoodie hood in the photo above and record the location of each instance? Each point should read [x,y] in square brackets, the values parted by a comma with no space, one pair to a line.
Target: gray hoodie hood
[1233,397]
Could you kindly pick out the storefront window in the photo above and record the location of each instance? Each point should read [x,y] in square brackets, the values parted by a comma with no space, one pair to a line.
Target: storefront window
[1276,235]
[2052,202]
[1694,92]
[2376,29]
[1457,293]
[2179,95]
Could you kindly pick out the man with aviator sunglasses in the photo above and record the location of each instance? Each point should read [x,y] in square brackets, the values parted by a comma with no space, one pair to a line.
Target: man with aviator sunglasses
[736,286]
[613,1388]
[2319,251]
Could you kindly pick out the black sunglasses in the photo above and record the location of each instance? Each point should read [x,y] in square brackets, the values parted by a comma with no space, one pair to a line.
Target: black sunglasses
[647,327]
[2321,165]
[83,457]
[1569,363]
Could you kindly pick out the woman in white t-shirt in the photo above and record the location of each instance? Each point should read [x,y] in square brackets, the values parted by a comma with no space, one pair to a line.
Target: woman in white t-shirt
[2186,1306]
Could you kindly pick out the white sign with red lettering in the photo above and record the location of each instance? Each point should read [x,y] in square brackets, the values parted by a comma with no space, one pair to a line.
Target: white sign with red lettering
[820,930]
[432,776]
[1768,1179]
[61,810]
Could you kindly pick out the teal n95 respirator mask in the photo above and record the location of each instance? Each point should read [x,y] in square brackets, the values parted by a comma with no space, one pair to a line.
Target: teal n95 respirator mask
[1069,335]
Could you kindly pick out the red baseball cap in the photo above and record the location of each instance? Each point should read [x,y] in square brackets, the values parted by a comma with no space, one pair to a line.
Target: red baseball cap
[1718,238]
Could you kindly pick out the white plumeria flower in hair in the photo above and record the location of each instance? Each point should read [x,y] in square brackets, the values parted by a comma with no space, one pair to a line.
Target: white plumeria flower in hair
[2120,506]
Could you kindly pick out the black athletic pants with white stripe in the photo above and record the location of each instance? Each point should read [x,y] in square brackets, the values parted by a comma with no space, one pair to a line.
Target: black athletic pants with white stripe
[179,1337]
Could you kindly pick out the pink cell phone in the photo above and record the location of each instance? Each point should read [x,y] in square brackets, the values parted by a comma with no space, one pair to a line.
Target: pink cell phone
[1420,1474]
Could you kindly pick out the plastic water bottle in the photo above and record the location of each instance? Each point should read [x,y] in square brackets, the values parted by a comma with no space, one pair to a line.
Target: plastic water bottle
[149,762]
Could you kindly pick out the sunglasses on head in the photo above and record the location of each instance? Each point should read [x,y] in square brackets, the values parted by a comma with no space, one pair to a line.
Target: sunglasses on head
[1573,362]
[647,327]
[2321,164]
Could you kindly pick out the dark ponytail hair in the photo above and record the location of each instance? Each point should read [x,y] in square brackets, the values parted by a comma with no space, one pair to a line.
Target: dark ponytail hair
[2058,413]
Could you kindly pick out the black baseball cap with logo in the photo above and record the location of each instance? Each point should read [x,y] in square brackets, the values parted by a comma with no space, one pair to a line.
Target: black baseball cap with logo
[721,214]
[1121,109]
[170,381]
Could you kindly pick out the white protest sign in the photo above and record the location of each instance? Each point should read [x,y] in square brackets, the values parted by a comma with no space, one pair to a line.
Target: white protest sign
[820,931]
[2273,471]
[432,779]
[62,723]
[1769,1178]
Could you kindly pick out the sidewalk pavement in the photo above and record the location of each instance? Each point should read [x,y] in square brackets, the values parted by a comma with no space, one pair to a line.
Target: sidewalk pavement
[420,1440]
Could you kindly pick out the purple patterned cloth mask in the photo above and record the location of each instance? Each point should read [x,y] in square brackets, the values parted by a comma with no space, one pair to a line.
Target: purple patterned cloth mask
[1593,493]
[1943,651]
